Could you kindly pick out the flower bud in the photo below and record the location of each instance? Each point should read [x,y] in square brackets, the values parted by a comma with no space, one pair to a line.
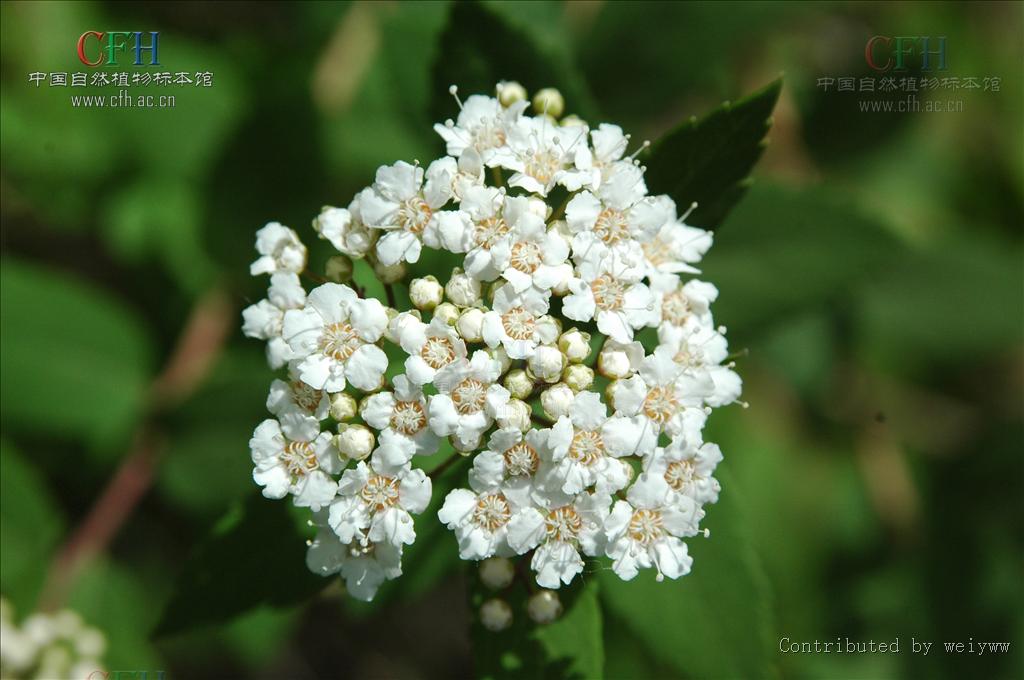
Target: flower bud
[470,324]
[546,363]
[572,120]
[575,345]
[518,384]
[578,377]
[389,273]
[495,615]
[501,356]
[343,407]
[544,606]
[354,441]
[338,269]
[397,321]
[462,289]
[557,400]
[618,360]
[497,573]
[465,446]
[509,92]
[516,413]
[426,293]
[549,101]
[447,312]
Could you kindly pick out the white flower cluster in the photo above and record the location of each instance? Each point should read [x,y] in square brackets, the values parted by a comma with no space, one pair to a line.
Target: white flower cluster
[488,360]
[47,646]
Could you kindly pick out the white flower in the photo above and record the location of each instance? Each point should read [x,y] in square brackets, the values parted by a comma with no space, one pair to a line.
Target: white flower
[294,457]
[644,531]
[401,417]
[700,350]
[376,502]
[495,218]
[537,257]
[541,154]
[345,230]
[481,126]
[280,251]
[559,526]
[333,337]
[677,302]
[468,398]
[517,323]
[363,564]
[675,247]
[582,446]
[616,220]
[479,518]
[610,291]
[510,463]
[687,469]
[430,347]
[658,399]
[296,396]
[401,203]
[265,319]
[609,145]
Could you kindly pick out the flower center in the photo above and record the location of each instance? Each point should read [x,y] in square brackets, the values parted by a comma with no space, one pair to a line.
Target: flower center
[525,257]
[437,352]
[469,396]
[488,230]
[645,526]
[487,135]
[612,226]
[305,397]
[408,417]
[684,357]
[491,512]
[587,447]
[660,404]
[543,164]
[521,460]
[675,308]
[609,293]
[657,252]
[380,492]
[414,214]
[299,458]
[518,323]
[563,524]
[339,341]
[681,474]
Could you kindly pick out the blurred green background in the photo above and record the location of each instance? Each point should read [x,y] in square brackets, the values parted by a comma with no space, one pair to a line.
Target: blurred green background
[872,279]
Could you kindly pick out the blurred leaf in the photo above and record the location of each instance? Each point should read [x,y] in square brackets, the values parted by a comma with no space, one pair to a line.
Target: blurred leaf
[75,364]
[708,160]
[113,599]
[30,527]
[961,297]
[254,557]
[787,251]
[570,647]
[479,48]
[716,621]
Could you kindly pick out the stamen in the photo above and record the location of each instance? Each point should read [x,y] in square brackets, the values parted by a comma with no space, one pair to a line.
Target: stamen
[693,206]
[454,91]
[645,145]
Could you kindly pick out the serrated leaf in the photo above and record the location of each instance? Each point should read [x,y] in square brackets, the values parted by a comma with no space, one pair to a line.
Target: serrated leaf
[254,557]
[714,622]
[479,48]
[571,647]
[75,363]
[707,160]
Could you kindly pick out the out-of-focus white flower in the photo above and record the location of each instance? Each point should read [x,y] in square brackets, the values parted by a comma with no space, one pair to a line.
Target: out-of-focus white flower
[497,573]
[495,615]
[699,351]
[544,606]
[363,564]
[677,302]
[280,251]
[345,230]
[265,319]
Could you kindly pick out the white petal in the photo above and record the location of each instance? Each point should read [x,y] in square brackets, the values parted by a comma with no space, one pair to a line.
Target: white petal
[526,530]
[366,366]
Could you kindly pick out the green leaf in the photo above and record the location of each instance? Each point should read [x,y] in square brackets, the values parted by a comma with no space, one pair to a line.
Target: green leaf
[570,647]
[479,47]
[787,251]
[254,557]
[75,363]
[713,623]
[708,160]
[30,527]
